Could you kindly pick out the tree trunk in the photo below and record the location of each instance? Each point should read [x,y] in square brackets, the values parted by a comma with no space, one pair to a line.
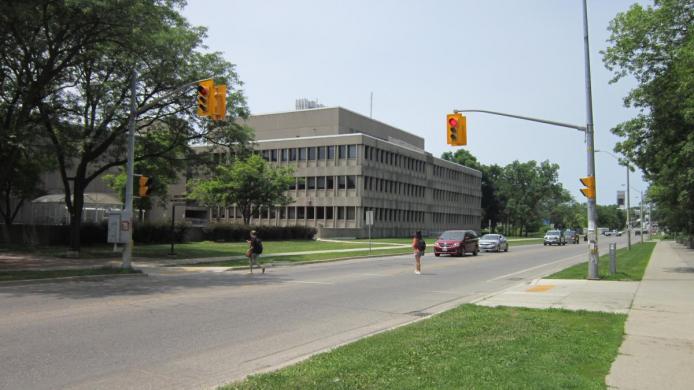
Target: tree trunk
[76,214]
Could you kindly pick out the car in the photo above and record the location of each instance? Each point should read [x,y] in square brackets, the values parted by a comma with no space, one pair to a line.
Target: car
[607,233]
[571,236]
[554,237]
[457,243]
[494,242]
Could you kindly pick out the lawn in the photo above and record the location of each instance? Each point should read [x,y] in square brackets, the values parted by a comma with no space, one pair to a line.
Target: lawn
[25,275]
[470,347]
[631,264]
[269,259]
[191,249]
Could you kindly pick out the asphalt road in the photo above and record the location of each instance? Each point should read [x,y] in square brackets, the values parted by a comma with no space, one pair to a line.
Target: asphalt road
[202,329]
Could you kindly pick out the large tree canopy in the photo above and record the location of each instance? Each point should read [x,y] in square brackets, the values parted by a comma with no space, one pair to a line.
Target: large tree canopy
[81,108]
[655,45]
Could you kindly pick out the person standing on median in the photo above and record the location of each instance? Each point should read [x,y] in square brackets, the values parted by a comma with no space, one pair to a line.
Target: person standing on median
[255,248]
[419,245]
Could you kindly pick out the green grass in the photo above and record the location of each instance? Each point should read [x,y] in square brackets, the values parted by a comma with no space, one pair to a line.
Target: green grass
[470,347]
[190,250]
[26,275]
[513,242]
[631,264]
[269,259]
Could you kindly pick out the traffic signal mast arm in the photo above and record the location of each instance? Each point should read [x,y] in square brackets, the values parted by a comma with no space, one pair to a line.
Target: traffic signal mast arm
[177,91]
[527,118]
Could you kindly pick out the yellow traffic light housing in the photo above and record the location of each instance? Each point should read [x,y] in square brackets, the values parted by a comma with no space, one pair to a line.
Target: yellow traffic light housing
[220,97]
[145,186]
[589,191]
[456,129]
[206,100]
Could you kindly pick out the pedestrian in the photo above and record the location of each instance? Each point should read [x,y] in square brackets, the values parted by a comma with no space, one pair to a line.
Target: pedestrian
[255,249]
[419,245]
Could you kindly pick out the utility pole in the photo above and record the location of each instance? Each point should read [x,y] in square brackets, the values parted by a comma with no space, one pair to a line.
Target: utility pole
[628,212]
[127,219]
[593,254]
[641,217]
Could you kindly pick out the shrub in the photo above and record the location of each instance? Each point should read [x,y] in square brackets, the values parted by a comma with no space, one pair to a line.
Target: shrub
[232,232]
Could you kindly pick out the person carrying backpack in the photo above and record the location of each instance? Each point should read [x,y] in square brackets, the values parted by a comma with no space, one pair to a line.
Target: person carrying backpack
[255,249]
[419,245]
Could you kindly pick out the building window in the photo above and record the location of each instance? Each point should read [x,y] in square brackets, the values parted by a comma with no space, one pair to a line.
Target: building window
[300,212]
[284,155]
[283,212]
[292,184]
[351,151]
[329,212]
[331,152]
[273,155]
[330,182]
[311,183]
[341,182]
[292,154]
[351,182]
[366,152]
[320,182]
[302,154]
[340,213]
[366,182]
[301,183]
[351,213]
[291,212]
[321,153]
[320,212]
[310,212]
[342,152]
[265,154]
[312,153]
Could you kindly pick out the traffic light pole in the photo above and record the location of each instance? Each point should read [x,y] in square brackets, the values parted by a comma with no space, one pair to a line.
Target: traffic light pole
[593,254]
[127,216]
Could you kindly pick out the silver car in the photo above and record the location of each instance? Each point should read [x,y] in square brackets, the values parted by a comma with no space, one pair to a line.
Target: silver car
[494,242]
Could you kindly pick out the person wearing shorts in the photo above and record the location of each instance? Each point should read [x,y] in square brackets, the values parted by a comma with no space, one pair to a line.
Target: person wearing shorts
[418,246]
[254,250]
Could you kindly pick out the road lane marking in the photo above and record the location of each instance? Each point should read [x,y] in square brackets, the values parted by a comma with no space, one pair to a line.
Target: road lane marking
[307,282]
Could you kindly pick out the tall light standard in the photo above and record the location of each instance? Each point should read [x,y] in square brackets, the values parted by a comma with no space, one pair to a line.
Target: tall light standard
[628,195]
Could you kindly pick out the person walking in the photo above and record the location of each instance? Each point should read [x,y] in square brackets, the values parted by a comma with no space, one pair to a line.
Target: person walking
[419,245]
[255,248]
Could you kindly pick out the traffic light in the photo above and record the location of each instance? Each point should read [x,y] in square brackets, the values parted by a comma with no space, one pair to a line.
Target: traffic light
[206,100]
[220,97]
[456,126]
[145,188]
[589,182]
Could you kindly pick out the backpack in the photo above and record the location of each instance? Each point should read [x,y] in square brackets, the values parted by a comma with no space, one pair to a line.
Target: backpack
[421,245]
[257,246]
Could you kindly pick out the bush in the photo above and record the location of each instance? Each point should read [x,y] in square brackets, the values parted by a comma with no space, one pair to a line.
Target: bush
[229,232]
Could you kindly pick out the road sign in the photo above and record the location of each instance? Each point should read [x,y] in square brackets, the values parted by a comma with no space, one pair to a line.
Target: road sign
[369,218]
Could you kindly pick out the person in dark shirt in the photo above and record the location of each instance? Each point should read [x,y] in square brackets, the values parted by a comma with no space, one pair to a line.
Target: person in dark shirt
[255,248]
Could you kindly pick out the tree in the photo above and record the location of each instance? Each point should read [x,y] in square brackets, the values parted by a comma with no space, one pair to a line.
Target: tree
[85,113]
[250,184]
[656,46]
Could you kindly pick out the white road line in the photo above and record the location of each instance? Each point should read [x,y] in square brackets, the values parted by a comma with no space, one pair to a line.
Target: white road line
[307,282]
[532,268]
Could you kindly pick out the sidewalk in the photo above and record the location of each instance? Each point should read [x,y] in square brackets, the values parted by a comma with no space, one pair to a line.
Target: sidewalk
[658,350]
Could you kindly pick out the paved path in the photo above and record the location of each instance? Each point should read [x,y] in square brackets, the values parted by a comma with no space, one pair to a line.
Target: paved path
[658,351]
[198,330]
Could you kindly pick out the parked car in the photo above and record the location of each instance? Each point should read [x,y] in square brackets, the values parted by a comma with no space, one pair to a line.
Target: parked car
[619,233]
[607,233]
[554,237]
[457,243]
[494,242]
[572,236]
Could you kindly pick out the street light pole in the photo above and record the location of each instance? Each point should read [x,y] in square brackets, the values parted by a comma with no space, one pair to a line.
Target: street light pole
[641,217]
[628,212]
[590,154]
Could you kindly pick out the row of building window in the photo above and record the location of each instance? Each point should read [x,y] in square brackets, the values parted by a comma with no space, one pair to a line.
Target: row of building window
[395,159]
[312,153]
[393,187]
[452,174]
[453,197]
[292,212]
[446,218]
[395,215]
[348,182]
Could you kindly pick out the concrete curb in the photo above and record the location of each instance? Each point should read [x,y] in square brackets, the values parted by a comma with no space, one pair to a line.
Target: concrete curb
[69,279]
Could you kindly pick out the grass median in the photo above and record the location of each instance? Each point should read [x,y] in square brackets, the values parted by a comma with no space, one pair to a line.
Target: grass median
[6,276]
[631,265]
[468,347]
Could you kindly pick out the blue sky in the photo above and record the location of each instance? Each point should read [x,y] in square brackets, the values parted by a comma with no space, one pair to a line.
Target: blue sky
[421,59]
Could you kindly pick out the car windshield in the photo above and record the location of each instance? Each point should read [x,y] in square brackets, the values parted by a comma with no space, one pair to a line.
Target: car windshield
[491,237]
[452,235]
[553,233]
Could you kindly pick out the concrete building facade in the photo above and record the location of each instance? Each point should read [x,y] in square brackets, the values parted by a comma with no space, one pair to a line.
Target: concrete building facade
[346,164]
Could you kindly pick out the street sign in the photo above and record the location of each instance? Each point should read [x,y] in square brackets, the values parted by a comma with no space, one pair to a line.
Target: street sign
[369,218]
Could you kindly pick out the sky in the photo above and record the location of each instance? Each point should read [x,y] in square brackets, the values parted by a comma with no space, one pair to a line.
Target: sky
[422,59]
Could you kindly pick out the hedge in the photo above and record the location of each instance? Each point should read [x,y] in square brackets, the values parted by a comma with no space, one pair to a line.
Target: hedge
[229,232]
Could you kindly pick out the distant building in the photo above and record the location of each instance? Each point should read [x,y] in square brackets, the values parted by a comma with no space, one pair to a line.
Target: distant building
[306,104]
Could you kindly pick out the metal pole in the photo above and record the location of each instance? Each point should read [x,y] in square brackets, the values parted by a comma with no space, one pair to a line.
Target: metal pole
[173,216]
[613,258]
[128,212]
[641,216]
[590,154]
[369,240]
[628,213]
